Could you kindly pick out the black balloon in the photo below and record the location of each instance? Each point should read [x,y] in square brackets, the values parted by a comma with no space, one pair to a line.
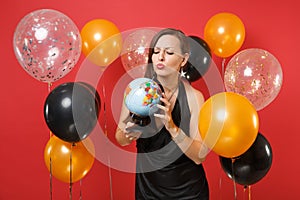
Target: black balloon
[71,111]
[251,166]
[199,60]
[93,91]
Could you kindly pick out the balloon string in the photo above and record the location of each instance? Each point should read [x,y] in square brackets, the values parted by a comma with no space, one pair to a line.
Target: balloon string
[71,184]
[249,192]
[223,66]
[49,90]
[50,134]
[80,193]
[50,177]
[105,132]
[220,186]
[110,178]
[220,182]
[235,192]
[49,87]
[233,179]
[244,194]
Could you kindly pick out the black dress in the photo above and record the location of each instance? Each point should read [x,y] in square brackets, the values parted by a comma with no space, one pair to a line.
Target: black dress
[163,170]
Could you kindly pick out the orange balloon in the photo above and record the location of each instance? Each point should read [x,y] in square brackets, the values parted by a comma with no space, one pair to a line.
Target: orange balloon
[101,41]
[225,34]
[62,153]
[228,124]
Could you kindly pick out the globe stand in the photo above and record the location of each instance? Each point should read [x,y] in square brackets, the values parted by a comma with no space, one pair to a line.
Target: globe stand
[140,120]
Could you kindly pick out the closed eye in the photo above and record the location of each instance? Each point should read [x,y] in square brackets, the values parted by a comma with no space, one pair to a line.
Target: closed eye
[156,50]
[168,51]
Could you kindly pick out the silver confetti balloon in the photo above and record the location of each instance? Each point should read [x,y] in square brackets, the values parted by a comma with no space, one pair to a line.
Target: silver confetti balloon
[136,48]
[47,44]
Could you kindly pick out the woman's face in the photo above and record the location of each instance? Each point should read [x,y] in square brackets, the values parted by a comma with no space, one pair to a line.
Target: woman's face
[167,57]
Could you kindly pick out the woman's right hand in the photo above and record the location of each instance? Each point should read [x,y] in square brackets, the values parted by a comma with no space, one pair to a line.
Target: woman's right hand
[132,131]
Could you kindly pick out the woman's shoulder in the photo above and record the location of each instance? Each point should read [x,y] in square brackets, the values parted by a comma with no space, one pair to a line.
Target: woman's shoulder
[193,93]
[195,98]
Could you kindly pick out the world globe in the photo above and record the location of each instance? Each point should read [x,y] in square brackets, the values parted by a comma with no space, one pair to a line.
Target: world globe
[141,96]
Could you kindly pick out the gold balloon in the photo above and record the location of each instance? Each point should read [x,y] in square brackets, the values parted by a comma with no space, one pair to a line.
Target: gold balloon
[228,124]
[225,34]
[101,42]
[64,158]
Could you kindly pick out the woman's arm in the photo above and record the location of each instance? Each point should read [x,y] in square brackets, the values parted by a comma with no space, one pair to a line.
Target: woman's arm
[197,151]
[122,136]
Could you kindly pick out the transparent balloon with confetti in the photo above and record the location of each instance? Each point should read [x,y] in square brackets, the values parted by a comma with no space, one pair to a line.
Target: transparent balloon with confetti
[47,44]
[256,74]
[136,48]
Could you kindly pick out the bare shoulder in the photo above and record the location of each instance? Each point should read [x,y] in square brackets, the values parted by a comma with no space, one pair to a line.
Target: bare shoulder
[194,95]
[199,95]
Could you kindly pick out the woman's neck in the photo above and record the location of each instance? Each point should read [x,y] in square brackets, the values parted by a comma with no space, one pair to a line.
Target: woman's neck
[170,82]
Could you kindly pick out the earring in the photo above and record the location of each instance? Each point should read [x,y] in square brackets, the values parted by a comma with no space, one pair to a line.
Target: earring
[182,72]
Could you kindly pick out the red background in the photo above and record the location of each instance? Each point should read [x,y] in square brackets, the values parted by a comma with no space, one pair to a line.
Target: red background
[270,25]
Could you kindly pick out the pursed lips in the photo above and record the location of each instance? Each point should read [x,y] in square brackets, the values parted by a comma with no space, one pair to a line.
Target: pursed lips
[160,65]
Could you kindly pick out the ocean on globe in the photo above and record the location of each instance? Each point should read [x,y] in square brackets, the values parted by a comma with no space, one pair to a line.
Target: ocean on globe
[141,96]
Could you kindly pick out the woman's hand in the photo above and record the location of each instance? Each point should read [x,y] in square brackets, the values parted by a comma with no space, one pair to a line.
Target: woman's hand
[131,132]
[167,115]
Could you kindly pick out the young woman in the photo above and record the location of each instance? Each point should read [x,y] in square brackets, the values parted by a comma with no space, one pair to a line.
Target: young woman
[169,159]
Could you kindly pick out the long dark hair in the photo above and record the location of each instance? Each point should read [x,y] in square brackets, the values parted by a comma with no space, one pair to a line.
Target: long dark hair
[184,46]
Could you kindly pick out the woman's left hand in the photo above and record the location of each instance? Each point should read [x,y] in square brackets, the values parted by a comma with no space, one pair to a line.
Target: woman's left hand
[167,115]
